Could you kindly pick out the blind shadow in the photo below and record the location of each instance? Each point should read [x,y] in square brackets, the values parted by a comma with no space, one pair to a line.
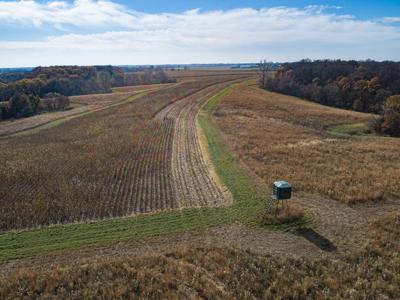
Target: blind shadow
[317,239]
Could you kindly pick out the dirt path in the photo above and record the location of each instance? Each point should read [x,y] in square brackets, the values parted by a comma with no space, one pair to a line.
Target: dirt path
[338,227]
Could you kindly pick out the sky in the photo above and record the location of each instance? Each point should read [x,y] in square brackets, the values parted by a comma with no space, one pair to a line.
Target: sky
[122,32]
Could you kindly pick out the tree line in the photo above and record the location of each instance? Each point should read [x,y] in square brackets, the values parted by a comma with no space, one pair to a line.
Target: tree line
[364,86]
[46,88]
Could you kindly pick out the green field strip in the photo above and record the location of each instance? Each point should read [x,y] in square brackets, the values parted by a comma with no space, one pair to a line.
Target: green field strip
[351,129]
[18,244]
[74,104]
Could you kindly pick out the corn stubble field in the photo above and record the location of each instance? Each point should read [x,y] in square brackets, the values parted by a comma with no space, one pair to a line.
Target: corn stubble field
[114,162]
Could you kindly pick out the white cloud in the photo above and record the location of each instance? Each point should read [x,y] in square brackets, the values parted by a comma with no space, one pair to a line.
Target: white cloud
[79,13]
[391,20]
[277,33]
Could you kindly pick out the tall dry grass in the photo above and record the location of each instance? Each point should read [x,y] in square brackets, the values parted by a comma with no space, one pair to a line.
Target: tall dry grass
[282,137]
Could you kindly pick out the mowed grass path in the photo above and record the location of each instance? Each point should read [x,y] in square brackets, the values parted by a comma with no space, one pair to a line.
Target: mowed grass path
[247,206]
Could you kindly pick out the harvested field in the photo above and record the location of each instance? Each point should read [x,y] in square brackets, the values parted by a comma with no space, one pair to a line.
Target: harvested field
[113,162]
[89,103]
[280,136]
[336,228]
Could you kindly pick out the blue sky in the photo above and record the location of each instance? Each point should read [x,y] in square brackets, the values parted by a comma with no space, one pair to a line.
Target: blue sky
[85,32]
[359,8]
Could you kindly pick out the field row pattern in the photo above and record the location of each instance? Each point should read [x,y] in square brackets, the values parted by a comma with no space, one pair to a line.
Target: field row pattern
[137,157]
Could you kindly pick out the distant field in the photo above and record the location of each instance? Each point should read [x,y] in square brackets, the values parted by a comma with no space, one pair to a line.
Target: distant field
[282,137]
[139,88]
[13,126]
[118,161]
[79,105]
[187,74]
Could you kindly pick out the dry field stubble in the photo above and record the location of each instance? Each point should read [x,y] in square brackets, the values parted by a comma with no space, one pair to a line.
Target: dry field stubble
[282,137]
[372,272]
[112,162]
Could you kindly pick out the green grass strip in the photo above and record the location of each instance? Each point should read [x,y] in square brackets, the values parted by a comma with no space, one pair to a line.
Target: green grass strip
[351,129]
[247,202]
[212,104]
[18,244]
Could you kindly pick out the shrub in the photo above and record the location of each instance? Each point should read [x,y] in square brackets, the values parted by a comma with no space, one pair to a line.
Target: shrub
[391,116]
[55,101]
[20,106]
[287,213]
[376,125]
[4,107]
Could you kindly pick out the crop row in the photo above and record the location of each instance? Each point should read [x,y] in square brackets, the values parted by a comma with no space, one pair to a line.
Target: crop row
[110,163]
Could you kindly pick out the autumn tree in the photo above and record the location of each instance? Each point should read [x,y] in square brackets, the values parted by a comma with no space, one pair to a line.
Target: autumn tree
[362,86]
[391,116]
[55,101]
[20,106]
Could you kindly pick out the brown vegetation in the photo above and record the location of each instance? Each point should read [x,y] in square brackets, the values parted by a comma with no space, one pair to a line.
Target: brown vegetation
[220,273]
[282,213]
[282,137]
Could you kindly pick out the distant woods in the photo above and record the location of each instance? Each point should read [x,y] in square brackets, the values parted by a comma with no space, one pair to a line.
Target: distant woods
[365,86]
[47,88]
